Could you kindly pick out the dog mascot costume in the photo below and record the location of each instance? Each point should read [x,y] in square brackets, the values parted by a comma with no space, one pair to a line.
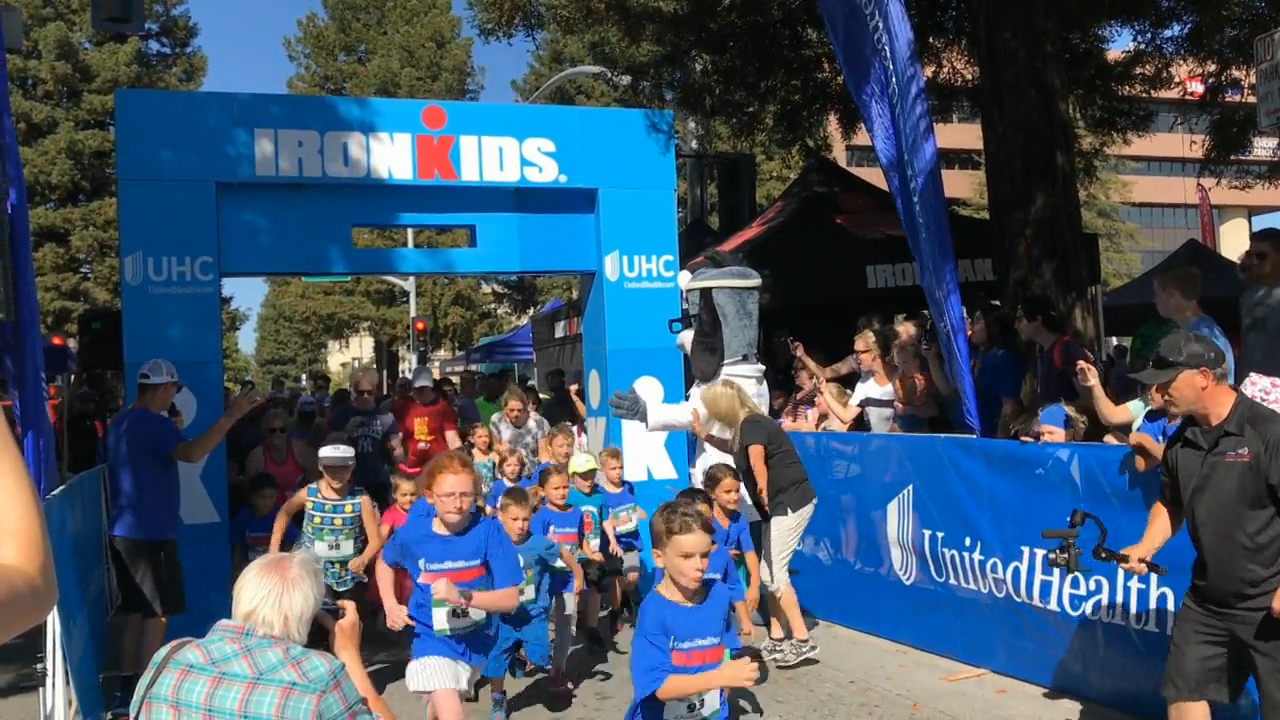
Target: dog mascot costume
[722,303]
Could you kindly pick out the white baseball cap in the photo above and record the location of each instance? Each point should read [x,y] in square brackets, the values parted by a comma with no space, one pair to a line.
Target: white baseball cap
[157,372]
[336,455]
[422,377]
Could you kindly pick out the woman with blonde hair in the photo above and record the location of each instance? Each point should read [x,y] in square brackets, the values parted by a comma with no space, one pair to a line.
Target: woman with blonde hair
[779,488]
[875,394]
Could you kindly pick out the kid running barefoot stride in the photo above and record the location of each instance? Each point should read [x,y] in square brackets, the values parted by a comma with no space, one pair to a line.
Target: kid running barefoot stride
[679,664]
[339,525]
[585,496]
[622,528]
[561,522]
[510,466]
[521,637]
[733,533]
[464,568]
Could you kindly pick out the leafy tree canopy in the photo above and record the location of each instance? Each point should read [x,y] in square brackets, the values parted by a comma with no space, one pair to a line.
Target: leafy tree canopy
[62,85]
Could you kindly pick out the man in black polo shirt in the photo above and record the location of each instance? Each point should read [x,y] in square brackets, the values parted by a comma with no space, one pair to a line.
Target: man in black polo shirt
[1221,475]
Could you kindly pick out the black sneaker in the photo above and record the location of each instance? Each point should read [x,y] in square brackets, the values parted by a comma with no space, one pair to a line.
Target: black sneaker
[795,652]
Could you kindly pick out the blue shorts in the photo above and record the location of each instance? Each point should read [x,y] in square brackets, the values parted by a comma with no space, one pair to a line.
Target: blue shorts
[532,639]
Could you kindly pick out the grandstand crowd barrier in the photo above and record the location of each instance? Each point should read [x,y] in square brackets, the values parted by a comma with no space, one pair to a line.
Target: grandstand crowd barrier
[934,542]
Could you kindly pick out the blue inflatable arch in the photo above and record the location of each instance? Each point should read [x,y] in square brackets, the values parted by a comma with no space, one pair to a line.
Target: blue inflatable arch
[217,185]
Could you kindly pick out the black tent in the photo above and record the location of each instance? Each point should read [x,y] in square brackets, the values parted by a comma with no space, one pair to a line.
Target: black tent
[1128,307]
[557,341]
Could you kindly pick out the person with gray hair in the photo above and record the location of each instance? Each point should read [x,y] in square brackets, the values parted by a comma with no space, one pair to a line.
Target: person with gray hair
[255,666]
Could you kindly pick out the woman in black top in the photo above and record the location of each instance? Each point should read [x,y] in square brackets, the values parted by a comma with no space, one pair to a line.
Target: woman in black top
[778,486]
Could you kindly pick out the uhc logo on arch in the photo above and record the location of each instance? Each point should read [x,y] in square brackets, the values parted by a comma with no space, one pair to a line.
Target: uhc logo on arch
[424,157]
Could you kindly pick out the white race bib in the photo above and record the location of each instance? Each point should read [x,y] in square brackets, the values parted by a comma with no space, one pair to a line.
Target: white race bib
[449,619]
[624,523]
[528,590]
[699,707]
[335,549]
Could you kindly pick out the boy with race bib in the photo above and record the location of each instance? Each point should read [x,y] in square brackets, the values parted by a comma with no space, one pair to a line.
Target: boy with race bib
[679,668]
[339,525]
[464,569]
[585,496]
[521,637]
[561,522]
[622,516]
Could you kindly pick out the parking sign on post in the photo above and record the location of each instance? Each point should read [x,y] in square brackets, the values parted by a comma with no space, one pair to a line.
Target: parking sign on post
[1267,68]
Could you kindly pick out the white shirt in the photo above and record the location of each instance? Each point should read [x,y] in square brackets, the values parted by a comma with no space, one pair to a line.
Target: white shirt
[876,402]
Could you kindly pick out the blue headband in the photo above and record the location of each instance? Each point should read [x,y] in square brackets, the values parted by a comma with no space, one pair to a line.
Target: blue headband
[1055,416]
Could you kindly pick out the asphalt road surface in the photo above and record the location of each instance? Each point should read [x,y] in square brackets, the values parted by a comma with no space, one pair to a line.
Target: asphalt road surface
[854,676]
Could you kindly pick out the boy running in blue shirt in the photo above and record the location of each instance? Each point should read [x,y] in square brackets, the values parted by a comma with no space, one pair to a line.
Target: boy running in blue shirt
[561,522]
[679,664]
[720,569]
[585,496]
[521,642]
[622,518]
[251,528]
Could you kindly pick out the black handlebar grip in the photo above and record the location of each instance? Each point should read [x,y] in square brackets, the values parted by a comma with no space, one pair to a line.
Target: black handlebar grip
[1157,569]
[1064,534]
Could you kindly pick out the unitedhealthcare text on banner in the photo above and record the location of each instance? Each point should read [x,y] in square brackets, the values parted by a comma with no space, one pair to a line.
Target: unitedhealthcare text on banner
[874,45]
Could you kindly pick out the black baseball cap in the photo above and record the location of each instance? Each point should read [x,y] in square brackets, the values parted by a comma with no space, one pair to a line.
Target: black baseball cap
[1179,351]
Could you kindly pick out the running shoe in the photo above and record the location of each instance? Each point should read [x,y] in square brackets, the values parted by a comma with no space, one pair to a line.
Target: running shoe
[499,709]
[771,649]
[794,653]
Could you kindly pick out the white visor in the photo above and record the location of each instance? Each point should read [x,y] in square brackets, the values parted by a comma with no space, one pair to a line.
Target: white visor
[337,455]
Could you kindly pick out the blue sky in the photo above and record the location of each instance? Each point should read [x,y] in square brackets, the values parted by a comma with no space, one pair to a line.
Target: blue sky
[242,39]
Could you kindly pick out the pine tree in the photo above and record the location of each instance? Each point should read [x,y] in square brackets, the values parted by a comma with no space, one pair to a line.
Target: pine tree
[62,85]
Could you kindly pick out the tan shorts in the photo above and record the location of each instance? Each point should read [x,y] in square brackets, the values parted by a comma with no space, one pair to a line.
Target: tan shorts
[779,541]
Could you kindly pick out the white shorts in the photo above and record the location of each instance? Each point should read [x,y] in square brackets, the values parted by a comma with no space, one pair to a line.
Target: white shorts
[781,536]
[429,674]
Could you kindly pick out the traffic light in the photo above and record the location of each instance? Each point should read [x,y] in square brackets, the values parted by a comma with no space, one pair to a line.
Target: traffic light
[421,336]
[100,341]
[127,17]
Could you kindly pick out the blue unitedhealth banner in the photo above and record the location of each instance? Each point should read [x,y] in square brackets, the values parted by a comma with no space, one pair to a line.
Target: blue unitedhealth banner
[873,42]
[934,542]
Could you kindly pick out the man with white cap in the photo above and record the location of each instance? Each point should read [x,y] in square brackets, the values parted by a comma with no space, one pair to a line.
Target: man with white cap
[428,426]
[144,448]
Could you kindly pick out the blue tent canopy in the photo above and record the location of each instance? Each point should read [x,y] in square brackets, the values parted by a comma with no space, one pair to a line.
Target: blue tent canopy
[513,346]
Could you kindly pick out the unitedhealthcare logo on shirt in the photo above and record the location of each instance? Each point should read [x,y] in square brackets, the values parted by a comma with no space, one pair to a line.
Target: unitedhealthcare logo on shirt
[1120,599]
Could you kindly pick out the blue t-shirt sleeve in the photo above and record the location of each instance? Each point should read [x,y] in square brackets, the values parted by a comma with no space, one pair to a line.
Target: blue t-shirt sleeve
[736,592]
[650,652]
[500,555]
[164,436]
[1009,375]
[393,553]
[538,524]
[549,553]
[1155,427]
[743,536]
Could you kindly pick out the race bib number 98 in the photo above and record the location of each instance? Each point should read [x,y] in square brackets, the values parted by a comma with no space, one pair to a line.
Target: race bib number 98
[336,549]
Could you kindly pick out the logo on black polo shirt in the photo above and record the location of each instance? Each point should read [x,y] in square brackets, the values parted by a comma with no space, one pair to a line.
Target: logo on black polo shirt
[1238,455]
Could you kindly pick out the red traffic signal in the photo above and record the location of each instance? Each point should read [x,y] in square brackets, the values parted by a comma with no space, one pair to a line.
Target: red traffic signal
[421,336]
[57,340]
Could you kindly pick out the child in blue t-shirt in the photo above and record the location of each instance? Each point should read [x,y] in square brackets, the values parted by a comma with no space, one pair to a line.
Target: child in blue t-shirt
[464,567]
[561,522]
[510,466]
[251,527]
[680,667]
[585,496]
[733,532]
[622,518]
[720,569]
[521,637]
[1153,433]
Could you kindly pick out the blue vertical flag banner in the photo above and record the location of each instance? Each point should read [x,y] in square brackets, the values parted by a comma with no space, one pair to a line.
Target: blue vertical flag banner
[876,51]
[25,356]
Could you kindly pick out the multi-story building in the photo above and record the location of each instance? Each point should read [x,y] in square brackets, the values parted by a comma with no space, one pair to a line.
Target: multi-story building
[1160,168]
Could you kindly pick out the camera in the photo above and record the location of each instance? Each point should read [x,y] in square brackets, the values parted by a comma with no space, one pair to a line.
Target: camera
[1067,555]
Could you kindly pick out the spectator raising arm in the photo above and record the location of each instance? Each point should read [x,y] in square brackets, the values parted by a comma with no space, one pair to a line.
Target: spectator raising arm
[1109,413]
[847,366]
[28,588]
[196,449]
[846,414]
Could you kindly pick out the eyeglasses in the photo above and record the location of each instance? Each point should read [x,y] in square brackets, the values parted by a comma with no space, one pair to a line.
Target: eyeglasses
[462,497]
[276,430]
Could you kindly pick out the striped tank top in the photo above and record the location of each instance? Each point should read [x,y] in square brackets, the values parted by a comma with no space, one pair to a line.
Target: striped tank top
[334,531]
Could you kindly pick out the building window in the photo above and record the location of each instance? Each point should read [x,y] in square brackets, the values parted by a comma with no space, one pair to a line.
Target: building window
[1165,217]
[1180,168]
[949,159]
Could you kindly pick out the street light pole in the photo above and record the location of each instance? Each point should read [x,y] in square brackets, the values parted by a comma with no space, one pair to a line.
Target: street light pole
[577,72]
[410,286]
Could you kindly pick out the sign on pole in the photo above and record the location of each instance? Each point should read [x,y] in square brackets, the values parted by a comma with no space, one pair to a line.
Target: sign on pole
[1266,63]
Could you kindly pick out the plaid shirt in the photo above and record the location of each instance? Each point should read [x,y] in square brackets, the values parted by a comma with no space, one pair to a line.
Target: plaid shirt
[235,674]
